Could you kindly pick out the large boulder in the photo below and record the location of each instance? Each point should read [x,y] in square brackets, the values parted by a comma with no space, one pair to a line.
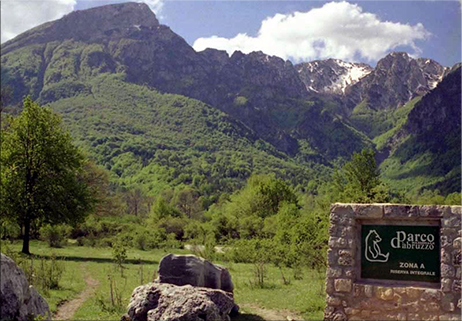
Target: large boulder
[168,302]
[195,271]
[19,300]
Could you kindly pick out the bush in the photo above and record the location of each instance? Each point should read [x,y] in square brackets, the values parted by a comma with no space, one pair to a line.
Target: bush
[173,225]
[250,251]
[149,239]
[55,235]
[9,230]
[141,241]
[105,242]
[80,241]
[171,242]
[119,255]
[49,274]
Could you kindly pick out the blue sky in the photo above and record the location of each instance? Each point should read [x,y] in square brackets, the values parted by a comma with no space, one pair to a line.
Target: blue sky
[355,31]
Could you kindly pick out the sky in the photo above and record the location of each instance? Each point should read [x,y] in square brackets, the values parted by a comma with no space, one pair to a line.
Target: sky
[359,31]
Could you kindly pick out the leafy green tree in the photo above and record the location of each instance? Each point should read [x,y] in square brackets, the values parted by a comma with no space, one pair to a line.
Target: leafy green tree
[163,209]
[41,172]
[359,180]
[108,201]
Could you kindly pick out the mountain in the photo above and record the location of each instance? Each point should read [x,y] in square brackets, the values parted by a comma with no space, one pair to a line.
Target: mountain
[426,148]
[147,106]
[56,61]
[331,76]
[396,80]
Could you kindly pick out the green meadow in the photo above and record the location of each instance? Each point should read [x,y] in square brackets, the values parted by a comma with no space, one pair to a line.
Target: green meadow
[295,293]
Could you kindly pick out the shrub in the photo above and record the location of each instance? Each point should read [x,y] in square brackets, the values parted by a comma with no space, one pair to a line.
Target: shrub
[106,242]
[149,239]
[55,235]
[9,230]
[119,254]
[141,241]
[49,274]
[173,225]
[80,241]
[171,242]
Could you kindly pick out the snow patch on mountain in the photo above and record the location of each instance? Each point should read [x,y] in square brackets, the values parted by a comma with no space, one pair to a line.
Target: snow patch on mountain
[352,73]
[331,75]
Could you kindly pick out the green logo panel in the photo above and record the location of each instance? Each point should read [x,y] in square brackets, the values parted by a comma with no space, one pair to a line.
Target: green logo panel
[400,252]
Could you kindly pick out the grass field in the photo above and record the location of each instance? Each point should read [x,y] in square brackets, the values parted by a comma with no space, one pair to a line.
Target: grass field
[302,298]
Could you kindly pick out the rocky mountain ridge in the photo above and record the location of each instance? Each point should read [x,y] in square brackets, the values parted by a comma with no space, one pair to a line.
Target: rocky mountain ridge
[131,39]
[396,80]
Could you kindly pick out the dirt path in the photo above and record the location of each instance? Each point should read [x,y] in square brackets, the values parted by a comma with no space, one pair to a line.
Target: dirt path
[271,315]
[67,309]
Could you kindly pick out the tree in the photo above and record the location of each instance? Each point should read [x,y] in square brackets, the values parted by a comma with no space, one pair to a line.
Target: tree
[41,171]
[188,202]
[107,201]
[163,209]
[137,202]
[359,180]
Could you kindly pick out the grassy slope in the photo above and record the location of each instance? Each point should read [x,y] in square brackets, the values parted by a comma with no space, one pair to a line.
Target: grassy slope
[396,119]
[416,165]
[377,123]
[304,297]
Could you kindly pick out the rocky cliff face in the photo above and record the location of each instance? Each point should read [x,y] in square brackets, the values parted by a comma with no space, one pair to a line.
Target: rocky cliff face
[396,79]
[331,76]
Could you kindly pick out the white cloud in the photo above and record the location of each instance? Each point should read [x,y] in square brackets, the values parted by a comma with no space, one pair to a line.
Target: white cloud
[336,30]
[18,16]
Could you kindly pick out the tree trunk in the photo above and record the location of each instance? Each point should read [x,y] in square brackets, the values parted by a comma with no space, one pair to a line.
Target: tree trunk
[25,242]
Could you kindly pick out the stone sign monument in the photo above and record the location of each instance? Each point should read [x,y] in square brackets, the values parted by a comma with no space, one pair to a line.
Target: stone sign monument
[394,262]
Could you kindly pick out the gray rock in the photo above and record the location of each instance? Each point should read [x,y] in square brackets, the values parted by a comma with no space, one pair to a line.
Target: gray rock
[168,302]
[19,301]
[195,271]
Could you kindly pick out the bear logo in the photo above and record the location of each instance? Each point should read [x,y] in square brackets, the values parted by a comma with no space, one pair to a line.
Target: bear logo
[373,252]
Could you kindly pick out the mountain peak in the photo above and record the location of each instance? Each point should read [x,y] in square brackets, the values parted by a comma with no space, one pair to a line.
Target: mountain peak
[397,79]
[114,20]
[399,53]
[120,15]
